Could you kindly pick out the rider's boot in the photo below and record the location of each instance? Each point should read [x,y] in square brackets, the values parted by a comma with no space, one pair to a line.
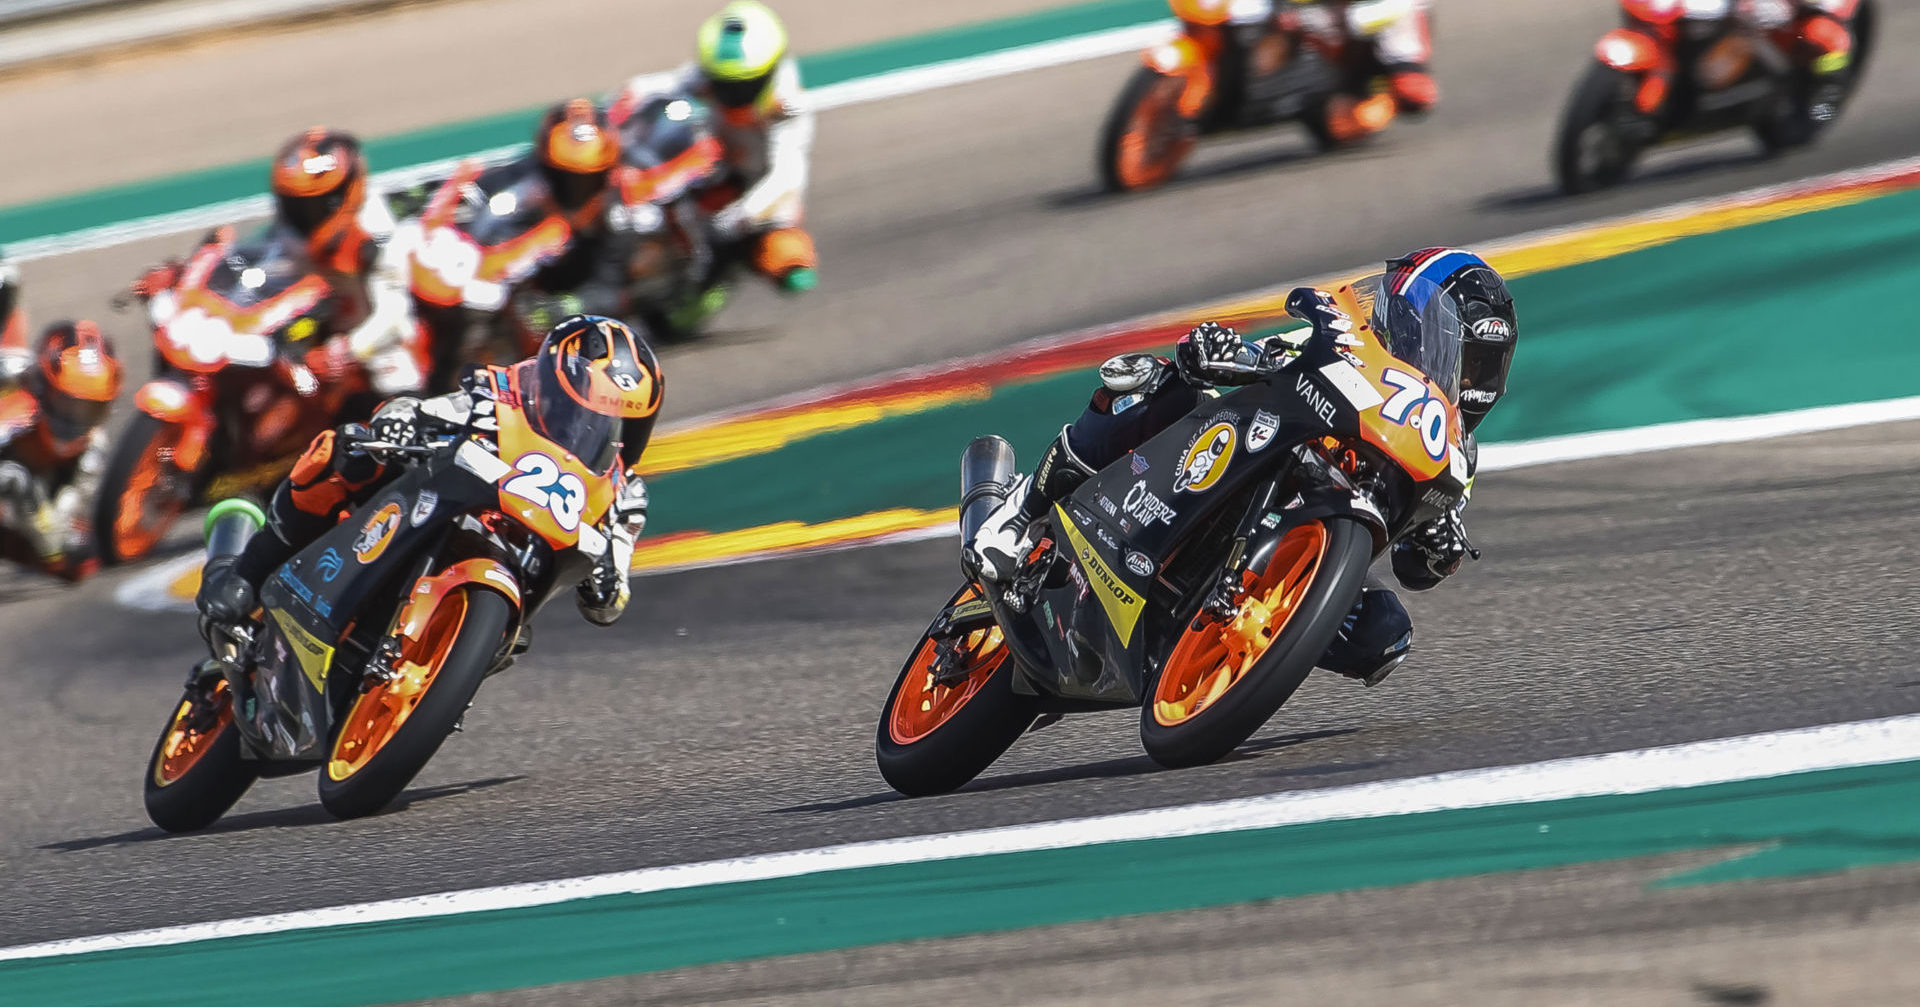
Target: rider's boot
[787,256]
[1375,639]
[1000,546]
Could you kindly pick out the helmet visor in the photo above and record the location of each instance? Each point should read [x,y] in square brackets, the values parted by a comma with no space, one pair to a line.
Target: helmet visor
[556,412]
[307,214]
[739,93]
[71,418]
[1421,325]
[573,190]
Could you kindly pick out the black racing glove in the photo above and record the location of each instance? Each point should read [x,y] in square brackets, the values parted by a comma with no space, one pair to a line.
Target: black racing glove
[1317,308]
[225,597]
[397,421]
[1212,354]
[1432,552]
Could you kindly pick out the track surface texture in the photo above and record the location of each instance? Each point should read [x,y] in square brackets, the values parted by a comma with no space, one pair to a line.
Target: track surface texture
[1622,603]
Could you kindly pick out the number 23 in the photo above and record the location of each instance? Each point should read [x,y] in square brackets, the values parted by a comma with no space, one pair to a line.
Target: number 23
[542,482]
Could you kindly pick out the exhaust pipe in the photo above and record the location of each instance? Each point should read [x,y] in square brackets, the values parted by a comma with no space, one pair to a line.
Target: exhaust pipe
[986,474]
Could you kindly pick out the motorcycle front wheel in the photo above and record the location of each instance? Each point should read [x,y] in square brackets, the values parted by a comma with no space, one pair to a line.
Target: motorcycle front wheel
[1145,139]
[1592,152]
[1223,680]
[142,492]
[394,727]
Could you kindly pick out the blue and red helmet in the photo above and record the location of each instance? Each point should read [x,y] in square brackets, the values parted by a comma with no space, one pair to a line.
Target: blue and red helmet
[1488,327]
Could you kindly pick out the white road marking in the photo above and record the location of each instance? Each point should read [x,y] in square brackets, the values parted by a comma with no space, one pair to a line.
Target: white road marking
[1750,757]
[893,84]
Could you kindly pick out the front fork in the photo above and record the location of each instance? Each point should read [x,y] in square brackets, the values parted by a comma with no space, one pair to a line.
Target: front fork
[1222,599]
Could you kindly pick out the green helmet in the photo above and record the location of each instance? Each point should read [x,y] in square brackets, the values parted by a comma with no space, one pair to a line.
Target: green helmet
[740,47]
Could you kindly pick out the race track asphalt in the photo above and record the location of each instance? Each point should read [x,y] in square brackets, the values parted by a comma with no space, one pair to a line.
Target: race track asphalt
[1622,603]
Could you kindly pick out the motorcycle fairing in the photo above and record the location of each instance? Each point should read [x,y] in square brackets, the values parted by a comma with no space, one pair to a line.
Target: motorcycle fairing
[1094,626]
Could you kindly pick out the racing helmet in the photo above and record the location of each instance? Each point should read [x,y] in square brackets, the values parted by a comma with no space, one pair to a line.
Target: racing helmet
[595,390]
[577,148]
[76,377]
[1478,296]
[319,181]
[739,50]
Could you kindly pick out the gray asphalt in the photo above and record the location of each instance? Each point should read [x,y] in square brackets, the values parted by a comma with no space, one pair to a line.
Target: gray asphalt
[1622,603]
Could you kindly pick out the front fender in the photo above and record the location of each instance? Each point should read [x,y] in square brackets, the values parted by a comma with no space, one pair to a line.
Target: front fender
[179,404]
[1330,501]
[410,627]
[1184,57]
[1630,51]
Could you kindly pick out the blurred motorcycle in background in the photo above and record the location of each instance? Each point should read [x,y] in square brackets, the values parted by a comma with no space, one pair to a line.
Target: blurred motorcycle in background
[245,374]
[1668,75]
[678,273]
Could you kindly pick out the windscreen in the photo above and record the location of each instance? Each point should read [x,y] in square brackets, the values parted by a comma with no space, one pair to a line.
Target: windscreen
[1420,324]
[558,416]
[503,204]
[261,268]
[661,130]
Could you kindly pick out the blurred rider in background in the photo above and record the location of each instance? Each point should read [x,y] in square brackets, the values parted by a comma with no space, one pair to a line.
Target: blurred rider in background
[1813,30]
[575,149]
[323,191]
[1142,394]
[745,72]
[55,395]
[1389,38]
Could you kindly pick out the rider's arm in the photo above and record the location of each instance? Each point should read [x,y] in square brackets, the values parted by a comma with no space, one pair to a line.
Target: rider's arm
[776,199]
[389,304]
[603,594]
[1434,551]
[1371,17]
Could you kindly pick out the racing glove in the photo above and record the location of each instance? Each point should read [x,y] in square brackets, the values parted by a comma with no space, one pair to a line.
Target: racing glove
[1432,552]
[603,595]
[225,597]
[397,421]
[1212,354]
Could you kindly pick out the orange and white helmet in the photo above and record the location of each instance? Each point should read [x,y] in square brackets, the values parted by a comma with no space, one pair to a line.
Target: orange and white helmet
[594,387]
[577,148]
[76,379]
[319,185]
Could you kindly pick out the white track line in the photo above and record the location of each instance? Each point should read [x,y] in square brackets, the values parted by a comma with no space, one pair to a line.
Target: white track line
[1751,757]
[894,84]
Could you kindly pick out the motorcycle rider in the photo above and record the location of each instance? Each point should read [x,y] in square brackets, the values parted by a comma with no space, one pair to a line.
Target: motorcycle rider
[1380,37]
[575,149]
[1142,394]
[597,363]
[52,456]
[1814,29]
[743,70]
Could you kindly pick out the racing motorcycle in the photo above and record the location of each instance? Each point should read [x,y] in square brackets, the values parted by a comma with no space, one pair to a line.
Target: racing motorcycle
[1215,77]
[669,154]
[484,233]
[243,379]
[1200,577]
[1664,77]
[377,635]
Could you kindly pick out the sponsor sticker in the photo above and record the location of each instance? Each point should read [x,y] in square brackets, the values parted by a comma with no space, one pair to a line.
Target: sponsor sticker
[1139,564]
[1143,506]
[376,533]
[1316,400]
[1138,464]
[1349,382]
[1122,604]
[1435,498]
[329,564]
[1493,330]
[1107,504]
[423,506]
[1205,462]
[1261,431]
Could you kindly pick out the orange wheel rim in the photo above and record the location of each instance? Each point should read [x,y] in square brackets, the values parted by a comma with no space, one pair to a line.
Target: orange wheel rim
[1213,658]
[147,505]
[1147,155]
[930,695]
[185,745]
[379,712]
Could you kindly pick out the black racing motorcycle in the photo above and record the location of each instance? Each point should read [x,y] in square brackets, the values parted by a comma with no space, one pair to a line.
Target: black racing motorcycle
[1199,577]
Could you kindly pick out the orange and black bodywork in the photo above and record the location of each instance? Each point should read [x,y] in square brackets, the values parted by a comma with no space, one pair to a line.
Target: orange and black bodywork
[244,379]
[577,148]
[1213,76]
[1662,76]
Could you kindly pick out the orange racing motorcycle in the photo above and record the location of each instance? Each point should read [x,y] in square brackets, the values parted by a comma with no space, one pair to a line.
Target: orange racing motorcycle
[1663,77]
[1200,577]
[1216,77]
[376,636]
[243,379]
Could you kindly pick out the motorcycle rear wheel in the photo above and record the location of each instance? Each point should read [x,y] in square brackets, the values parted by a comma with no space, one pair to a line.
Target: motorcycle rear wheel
[1590,152]
[1207,699]
[1145,139]
[937,734]
[141,492]
[393,728]
[196,772]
